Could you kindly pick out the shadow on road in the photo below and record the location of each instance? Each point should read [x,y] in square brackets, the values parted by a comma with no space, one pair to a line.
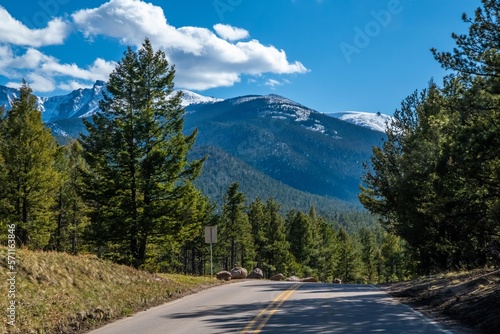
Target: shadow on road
[319,308]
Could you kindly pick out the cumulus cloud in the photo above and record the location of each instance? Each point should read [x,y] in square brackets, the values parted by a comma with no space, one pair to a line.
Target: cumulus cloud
[230,33]
[42,71]
[99,70]
[203,59]
[15,32]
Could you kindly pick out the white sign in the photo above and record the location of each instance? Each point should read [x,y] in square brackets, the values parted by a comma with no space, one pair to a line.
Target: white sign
[210,234]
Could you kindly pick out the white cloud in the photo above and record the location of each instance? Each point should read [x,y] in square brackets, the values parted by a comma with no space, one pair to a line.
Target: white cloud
[14,32]
[43,71]
[203,60]
[273,83]
[230,33]
[40,83]
[73,85]
[99,70]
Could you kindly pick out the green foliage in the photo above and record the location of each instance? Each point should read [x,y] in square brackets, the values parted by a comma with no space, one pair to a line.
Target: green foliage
[277,250]
[257,217]
[70,209]
[28,173]
[235,230]
[136,153]
[436,180]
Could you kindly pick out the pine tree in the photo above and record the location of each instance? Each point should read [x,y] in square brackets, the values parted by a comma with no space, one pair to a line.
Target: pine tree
[368,255]
[137,156]
[196,212]
[30,180]
[236,229]
[278,258]
[300,237]
[259,224]
[436,179]
[328,250]
[393,257]
[70,209]
[474,90]
[349,265]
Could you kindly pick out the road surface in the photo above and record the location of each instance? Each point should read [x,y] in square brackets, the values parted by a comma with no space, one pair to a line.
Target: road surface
[278,307]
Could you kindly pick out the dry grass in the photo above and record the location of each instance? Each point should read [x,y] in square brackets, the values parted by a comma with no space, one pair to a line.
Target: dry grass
[61,293]
[471,298]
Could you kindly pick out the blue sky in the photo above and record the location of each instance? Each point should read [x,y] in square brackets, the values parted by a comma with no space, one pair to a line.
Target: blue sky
[330,55]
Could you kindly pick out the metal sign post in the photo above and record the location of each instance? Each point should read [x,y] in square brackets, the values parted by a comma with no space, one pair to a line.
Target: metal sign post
[211,237]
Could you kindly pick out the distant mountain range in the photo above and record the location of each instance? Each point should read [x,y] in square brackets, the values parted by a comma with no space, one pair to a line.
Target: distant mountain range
[278,145]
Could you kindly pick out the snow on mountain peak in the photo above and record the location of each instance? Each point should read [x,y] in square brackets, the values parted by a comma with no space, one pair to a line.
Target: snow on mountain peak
[83,102]
[373,121]
[277,106]
[189,98]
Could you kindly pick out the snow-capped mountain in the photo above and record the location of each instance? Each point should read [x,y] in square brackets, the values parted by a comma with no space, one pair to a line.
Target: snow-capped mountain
[373,121]
[189,98]
[287,141]
[7,95]
[83,102]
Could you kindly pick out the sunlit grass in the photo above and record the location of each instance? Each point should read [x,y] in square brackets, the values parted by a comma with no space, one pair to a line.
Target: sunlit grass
[61,293]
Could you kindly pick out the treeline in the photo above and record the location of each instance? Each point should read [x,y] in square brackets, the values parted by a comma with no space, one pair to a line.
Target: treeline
[303,244]
[436,180]
[125,192]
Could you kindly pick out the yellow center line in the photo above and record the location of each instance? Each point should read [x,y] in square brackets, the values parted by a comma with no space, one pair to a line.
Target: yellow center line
[263,317]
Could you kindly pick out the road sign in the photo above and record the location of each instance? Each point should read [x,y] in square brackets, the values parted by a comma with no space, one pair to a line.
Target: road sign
[210,234]
[211,238]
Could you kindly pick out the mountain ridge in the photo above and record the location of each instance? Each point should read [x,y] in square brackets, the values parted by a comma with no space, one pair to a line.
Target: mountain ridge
[83,102]
[291,143]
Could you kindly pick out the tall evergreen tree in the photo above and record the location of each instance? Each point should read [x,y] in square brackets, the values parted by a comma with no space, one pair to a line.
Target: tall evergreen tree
[30,179]
[349,266]
[300,237]
[278,258]
[327,250]
[436,179]
[368,255]
[70,208]
[137,155]
[259,225]
[474,91]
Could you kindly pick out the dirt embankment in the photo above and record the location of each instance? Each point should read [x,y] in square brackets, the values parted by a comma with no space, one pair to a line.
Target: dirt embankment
[470,299]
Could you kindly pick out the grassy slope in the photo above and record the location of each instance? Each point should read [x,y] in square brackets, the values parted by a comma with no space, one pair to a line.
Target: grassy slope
[61,293]
[469,298]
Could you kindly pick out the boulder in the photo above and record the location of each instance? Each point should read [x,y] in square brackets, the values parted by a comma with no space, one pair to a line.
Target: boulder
[337,281]
[256,273]
[309,279]
[224,275]
[239,273]
[278,277]
[292,279]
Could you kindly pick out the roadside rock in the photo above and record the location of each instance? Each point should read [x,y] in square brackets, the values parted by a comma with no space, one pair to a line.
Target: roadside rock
[277,277]
[256,273]
[309,279]
[293,279]
[224,275]
[337,281]
[239,273]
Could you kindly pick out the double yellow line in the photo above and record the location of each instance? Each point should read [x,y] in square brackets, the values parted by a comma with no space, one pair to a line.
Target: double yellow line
[256,325]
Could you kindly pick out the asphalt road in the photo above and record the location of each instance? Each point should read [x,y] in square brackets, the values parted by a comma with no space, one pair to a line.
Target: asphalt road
[278,307]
